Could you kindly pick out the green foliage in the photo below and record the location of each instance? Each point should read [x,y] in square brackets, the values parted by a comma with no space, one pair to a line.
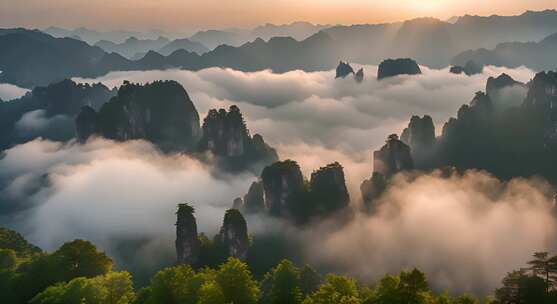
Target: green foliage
[536,284]
[112,288]
[335,289]
[545,266]
[284,283]
[237,283]
[74,259]
[10,239]
[406,288]
[80,258]
[309,280]
[211,293]
[466,299]
[184,209]
[8,259]
[175,285]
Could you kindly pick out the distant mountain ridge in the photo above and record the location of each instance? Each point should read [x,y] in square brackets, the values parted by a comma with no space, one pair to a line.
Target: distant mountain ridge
[33,58]
[433,42]
[534,55]
[29,58]
[134,48]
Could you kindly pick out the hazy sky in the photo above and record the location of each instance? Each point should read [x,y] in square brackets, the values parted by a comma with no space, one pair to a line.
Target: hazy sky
[188,15]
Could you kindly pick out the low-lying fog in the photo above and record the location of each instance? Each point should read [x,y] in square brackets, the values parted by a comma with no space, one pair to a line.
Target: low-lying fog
[105,191]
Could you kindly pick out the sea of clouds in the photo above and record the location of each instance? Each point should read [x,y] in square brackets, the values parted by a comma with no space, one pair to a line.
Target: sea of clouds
[465,232]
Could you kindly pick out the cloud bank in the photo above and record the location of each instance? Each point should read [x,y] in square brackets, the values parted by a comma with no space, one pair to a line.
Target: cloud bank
[111,193]
[466,232]
[310,116]
[10,91]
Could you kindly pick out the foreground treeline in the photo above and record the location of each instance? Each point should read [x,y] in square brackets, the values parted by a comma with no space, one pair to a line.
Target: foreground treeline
[78,273]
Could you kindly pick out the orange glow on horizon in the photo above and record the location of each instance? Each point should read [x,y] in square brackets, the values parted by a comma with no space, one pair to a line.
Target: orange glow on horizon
[189,15]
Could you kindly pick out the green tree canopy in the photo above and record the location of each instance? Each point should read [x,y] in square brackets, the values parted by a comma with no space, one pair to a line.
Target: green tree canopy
[237,283]
[284,284]
[112,288]
[335,289]
[211,293]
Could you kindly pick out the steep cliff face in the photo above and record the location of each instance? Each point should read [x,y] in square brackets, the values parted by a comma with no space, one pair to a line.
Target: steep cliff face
[359,75]
[542,96]
[86,124]
[238,203]
[67,97]
[470,68]
[62,99]
[420,133]
[328,189]
[254,200]
[493,84]
[282,183]
[343,69]
[160,112]
[393,157]
[284,193]
[225,134]
[400,66]
[372,189]
[233,235]
[187,242]
[469,117]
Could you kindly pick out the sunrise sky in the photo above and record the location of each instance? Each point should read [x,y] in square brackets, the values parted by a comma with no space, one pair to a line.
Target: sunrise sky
[189,15]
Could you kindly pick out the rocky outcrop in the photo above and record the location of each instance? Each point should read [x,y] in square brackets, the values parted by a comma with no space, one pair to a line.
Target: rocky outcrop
[420,133]
[160,112]
[328,190]
[238,203]
[359,75]
[470,68]
[62,100]
[226,136]
[456,69]
[86,124]
[542,94]
[393,157]
[394,67]
[187,242]
[282,183]
[494,85]
[233,235]
[372,189]
[542,97]
[344,69]
[254,200]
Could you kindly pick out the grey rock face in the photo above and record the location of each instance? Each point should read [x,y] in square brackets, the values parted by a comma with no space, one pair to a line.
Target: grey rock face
[234,234]
[160,112]
[86,124]
[359,75]
[328,189]
[470,68]
[187,242]
[393,157]
[502,81]
[226,135]
[238,203]
[254,200]
[400,66]
[282,181]
[420,133]
[343,69]
[542,96]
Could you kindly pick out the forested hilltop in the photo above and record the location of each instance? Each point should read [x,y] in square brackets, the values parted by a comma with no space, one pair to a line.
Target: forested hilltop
[78,272]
